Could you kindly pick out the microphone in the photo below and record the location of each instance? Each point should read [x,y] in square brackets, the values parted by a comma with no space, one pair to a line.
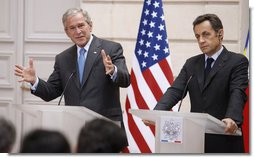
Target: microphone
[184,91]
[66,86]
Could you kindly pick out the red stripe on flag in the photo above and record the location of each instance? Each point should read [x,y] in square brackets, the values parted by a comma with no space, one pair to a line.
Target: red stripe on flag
[245,126]
[135,132]
[152,83]
[165,67]
[125,150]
[138,96]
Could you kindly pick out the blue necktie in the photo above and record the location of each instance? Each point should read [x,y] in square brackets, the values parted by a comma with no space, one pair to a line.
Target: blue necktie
[81,63]
[208,66]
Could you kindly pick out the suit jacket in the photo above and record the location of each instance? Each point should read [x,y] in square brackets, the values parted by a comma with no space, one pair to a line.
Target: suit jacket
[98,91]
[222,95]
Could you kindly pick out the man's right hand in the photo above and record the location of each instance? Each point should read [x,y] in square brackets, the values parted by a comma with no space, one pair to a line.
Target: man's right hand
[148,123]
[26,74]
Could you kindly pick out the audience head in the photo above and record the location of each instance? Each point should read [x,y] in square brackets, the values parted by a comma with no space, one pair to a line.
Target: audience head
[101,136]
[45,141]
[7,135]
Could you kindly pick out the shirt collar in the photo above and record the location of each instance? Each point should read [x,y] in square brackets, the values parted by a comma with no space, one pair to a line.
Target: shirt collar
[215,55]
[87,46]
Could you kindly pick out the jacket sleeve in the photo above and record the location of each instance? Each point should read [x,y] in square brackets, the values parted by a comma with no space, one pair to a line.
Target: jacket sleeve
[174,93]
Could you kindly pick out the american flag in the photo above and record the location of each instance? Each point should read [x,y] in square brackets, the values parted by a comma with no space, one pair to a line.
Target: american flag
[151,75]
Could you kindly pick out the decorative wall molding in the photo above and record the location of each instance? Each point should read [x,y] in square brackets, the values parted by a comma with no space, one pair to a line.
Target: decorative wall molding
[45,24]
[41,55]
[7,25]
[5,108]
[6,75]
[43,63]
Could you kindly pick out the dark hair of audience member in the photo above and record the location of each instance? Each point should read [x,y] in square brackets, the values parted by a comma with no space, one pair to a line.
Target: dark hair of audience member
[7,135]
[101,136]
[45,141]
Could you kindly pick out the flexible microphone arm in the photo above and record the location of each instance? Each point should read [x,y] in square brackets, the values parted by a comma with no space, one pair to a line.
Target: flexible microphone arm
[184,91]
[66,87]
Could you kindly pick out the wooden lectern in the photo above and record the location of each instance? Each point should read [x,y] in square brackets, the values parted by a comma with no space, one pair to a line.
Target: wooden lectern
[177,132]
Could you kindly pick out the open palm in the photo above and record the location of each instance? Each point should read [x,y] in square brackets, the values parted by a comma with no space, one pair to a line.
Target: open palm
[26,74]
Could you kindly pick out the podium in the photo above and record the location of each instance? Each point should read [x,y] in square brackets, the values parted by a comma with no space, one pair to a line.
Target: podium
[66,119]
[177,132]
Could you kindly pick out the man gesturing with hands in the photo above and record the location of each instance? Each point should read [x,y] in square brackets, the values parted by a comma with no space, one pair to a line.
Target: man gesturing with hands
[96,85]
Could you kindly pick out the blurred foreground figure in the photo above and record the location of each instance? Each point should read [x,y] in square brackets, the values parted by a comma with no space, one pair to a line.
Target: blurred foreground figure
[101,136]
[45,141]
[7,135]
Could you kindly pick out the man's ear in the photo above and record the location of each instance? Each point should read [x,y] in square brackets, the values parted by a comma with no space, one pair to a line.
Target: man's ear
[91,25]
[221,34]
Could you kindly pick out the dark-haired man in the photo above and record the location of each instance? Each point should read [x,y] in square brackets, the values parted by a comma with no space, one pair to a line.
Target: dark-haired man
[217,86]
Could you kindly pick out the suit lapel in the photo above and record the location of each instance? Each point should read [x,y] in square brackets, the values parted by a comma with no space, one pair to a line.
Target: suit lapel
[93,53]
[200,72]
[74,65]
[219,63]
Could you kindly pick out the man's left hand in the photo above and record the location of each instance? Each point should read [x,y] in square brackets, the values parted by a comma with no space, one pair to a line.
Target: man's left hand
[109,67]
[231,126]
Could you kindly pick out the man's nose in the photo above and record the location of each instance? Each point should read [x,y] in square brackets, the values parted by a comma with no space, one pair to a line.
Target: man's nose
[77,30]
[201,39]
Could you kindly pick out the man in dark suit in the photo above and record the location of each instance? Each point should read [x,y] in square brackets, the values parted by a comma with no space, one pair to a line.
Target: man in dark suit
[220,92]
[95,84]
